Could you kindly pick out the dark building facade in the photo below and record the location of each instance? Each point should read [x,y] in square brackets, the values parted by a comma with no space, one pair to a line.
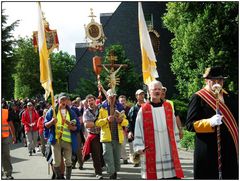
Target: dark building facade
[121,27]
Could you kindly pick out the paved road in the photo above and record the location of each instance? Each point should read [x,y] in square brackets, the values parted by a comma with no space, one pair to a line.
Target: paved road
[35,167]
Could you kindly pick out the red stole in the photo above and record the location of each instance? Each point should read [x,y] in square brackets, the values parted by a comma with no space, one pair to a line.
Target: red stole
[228,118]
[150,140]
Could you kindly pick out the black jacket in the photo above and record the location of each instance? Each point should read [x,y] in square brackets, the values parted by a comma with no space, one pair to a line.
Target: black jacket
[205,154]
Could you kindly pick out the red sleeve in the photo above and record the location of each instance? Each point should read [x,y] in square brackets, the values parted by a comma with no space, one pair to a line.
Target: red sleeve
[39,122]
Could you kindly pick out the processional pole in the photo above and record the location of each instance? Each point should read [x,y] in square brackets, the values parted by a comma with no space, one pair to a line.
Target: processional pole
[217,89]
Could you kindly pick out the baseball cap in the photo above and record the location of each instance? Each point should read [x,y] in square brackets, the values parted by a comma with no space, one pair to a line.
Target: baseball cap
[111,93]
[62,96]
[164,88]
[139,91]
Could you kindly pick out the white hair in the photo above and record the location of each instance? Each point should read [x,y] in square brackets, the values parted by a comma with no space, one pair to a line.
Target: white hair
[154,82]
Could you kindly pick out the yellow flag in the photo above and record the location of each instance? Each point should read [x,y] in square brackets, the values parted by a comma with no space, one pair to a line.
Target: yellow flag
[149,67]
[45,70]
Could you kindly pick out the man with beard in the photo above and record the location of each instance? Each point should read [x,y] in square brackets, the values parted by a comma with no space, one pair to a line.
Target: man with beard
[155,137]
[93,144]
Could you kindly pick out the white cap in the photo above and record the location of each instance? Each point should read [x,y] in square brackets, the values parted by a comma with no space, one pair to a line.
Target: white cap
[111,93]
[29,104]
[164,88]
[139,91]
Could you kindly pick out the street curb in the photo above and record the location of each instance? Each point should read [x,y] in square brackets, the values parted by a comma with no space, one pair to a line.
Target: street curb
[186,150]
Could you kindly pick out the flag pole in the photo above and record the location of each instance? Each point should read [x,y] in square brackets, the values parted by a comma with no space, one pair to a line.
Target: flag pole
[53,102]
[45,65]
[51,84]
[44,52]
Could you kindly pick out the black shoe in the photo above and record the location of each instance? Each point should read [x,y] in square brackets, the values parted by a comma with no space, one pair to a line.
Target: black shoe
[73,167]
[113,176]
[81,168]
[125,161]
[53,176]
[136,165]
[34,151]
[62,177]
[9,177]
[30,153]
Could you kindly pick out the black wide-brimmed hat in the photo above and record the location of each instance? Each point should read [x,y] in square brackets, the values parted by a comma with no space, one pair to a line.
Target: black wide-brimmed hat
[214,73]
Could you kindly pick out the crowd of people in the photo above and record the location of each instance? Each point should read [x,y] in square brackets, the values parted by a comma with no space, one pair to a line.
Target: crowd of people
[36,128]
[75,130]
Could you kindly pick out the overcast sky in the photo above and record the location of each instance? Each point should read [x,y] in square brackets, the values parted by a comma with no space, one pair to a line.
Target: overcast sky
[68,18]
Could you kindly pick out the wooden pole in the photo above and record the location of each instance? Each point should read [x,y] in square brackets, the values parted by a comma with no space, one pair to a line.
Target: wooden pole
[217,88]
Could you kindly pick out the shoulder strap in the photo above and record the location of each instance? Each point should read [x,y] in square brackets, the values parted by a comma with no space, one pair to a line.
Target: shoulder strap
[228,118]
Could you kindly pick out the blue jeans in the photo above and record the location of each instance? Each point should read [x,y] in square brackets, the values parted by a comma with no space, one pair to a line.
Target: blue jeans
[111,155]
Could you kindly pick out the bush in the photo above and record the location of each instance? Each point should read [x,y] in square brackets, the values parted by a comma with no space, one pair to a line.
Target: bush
[188,140]
[181,107]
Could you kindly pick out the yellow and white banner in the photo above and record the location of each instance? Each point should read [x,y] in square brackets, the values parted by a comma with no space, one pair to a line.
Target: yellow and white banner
[149,67]
[45,70]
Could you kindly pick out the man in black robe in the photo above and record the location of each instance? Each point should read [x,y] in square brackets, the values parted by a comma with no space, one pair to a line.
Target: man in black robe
[203,119]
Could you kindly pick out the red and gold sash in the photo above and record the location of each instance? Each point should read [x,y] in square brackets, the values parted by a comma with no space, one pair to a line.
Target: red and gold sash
[228,118]
[150,141]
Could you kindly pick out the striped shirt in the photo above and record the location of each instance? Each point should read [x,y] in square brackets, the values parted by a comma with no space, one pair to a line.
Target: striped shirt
[90,115]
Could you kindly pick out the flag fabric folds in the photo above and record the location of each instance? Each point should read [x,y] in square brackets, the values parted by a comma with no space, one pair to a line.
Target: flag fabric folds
[45,70]
[149,67]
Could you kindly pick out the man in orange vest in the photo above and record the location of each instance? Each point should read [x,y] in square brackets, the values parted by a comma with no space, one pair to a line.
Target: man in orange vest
[7,125]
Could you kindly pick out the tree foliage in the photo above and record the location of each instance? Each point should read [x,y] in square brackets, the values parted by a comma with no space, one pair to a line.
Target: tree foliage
[205,34]
[85,87]
[61,63]
[27,76]
[8,62]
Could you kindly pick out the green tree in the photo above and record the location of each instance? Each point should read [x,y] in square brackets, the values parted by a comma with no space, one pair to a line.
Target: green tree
[130,81]
[61,63]
[85,87]
[8,62]
[26,76]
[205,34]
